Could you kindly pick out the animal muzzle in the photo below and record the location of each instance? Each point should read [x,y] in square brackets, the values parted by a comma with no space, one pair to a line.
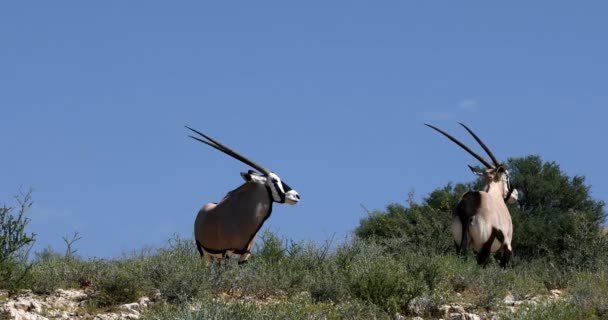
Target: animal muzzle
[292,197]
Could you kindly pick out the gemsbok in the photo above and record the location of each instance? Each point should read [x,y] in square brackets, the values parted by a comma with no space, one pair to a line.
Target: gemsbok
[230,226]
[482,219]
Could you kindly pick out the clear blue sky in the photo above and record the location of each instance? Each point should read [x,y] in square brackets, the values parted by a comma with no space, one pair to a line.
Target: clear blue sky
[330,95]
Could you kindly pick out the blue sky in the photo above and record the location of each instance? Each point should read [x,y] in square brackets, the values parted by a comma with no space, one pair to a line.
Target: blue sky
[330,95]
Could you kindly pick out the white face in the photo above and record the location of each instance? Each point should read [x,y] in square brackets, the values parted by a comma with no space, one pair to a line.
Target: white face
[506,179]
[506,183]
[279,190]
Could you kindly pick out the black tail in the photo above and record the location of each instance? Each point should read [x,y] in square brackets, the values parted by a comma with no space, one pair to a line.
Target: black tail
[466,210]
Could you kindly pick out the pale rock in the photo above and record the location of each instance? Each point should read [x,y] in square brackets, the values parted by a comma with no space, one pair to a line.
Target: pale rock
[398,316]
[71,294]
[556,293]
[464,316]
[419,306]
[447,310]
[131,307]
[144,302]
[62,304]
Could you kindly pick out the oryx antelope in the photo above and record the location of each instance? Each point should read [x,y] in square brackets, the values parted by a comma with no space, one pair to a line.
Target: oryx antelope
[481,219]
[230,226]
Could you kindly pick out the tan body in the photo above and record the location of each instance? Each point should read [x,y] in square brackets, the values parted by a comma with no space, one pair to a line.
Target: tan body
[230,226]
[489,213]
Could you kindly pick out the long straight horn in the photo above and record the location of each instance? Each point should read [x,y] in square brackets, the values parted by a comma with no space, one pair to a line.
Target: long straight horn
[483,145]
[467,149]
[215,144]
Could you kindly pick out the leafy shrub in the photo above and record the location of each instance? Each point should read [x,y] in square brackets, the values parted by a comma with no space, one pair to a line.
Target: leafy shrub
[177,271]
[418,227]
[557,217]
[385,282]
[271,249]
[52,270]
[118,283]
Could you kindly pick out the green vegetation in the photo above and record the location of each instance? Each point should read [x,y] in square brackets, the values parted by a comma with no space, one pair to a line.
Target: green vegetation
[15,243]
[401,260]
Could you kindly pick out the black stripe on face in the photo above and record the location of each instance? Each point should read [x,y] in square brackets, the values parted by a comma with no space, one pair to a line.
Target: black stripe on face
[286,188]
[278,189]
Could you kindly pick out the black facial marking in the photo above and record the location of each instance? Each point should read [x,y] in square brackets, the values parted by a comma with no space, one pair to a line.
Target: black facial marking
[246,176]
[286,188]
[276,187]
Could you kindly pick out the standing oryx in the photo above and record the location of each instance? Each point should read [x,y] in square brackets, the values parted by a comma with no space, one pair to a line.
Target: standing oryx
[230,226]
[482,218]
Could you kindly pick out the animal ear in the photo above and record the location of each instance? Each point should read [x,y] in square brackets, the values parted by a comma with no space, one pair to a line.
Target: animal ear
[253,176]
[246,176]
[477,171]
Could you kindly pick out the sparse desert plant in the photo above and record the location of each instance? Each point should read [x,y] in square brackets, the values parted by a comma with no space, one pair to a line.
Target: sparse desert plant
[295,308]
[590,291]
[118,283]
[384,281]
[15,243]
[177,271]
[551,311]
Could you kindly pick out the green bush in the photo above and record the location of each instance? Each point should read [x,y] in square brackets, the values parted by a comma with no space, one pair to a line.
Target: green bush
[52,270]
[119,282]
[418,227]
[385,282]
[177,271]
[557,218]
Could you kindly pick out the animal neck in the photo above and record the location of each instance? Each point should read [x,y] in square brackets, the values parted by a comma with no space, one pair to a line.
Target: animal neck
[494,188]
[258,208]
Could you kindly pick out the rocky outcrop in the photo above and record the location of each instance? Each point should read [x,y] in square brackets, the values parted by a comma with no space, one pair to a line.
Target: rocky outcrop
[72,304]
[422,306]
[64,304]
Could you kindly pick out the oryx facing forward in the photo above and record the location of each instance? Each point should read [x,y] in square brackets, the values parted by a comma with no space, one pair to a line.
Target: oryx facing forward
[481,219]
[230,226]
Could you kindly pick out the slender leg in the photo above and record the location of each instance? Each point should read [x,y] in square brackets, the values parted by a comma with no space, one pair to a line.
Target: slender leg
[244,257]
[198,247]
[506,249]
[486,249]
[506,256]
[464,240]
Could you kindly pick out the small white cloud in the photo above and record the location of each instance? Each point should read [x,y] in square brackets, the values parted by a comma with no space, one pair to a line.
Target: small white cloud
[470,104]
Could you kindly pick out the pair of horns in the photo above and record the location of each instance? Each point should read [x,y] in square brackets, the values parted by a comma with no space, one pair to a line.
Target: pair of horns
[215,144]
[462,145]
